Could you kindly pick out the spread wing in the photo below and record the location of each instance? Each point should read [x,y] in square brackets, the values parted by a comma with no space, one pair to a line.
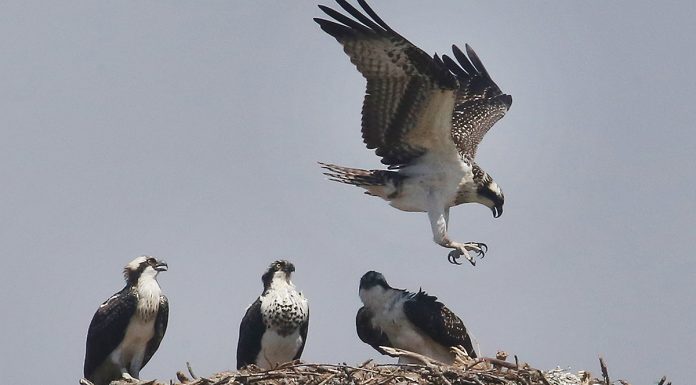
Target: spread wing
[407,90]
[438,322]
[370,335]
[250,332]
[160,328]
[479,101]
[107,328]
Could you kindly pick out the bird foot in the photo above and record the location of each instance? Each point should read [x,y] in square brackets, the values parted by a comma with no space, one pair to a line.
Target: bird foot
[128,378]
[463,250]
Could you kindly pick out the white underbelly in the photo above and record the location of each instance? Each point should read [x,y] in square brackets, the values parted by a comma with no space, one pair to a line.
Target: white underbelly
[277,349]
[420,192]
[131,352]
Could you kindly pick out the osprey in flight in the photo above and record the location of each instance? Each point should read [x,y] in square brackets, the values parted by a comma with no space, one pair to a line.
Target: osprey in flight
[274,328]
[416,322]
[425,116]
[127,328]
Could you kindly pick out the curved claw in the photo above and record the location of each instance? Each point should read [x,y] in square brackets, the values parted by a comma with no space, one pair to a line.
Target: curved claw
[480,248]
[453,256]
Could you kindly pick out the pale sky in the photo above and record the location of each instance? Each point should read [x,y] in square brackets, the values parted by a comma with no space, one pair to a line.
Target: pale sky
[191,131]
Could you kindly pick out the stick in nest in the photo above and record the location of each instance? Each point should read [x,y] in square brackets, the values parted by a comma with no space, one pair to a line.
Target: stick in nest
[605,372]
[427,361]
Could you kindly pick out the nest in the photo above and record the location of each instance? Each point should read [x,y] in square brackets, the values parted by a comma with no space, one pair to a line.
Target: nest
[464,371]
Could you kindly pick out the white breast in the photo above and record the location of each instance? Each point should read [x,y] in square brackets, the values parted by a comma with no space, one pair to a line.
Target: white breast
[287,300]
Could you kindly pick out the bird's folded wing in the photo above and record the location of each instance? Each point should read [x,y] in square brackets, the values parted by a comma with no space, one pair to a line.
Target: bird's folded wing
[438,322]
[108,327]
[368,333]
[160,328]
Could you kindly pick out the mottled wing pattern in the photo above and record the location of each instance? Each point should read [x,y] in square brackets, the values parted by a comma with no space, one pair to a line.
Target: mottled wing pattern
[160,328]
[401,80]
[437,321]
[250,332]
[108,328]
[479,101]
[303,333]
[368,333]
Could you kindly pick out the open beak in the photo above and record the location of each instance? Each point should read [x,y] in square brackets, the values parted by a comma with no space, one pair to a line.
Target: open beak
[497,211]
[161,266]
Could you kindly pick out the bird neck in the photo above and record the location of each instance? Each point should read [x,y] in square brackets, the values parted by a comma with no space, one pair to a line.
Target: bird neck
[149,293]
[281,283]
[377,297]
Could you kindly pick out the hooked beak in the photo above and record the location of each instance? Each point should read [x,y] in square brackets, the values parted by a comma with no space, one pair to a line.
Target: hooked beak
[497,211]
[161,266]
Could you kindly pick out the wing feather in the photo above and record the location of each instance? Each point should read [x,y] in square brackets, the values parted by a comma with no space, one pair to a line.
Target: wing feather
[250,332]
[479,102]
[368,334]
[107,328]
[438,322]
[402,82]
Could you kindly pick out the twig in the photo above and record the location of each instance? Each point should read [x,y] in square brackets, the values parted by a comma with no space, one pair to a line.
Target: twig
[494,361]
[84,381]
[181,376]
[605,373]
[190,370]
[541,375]
[328,378]
[427,361]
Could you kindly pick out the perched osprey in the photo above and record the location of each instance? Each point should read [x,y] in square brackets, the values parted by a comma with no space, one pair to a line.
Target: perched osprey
[425,116]
[416,322]
[274,328]
[127,328]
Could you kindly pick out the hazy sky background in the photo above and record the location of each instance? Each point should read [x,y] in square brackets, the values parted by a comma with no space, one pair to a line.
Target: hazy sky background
[191,131]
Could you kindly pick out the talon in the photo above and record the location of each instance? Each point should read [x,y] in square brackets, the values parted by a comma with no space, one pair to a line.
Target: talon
[453,256]
[483,247]
[471,260]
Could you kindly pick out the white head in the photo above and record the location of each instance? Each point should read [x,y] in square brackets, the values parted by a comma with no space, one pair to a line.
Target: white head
[279,272]
[490,195]
[143,267]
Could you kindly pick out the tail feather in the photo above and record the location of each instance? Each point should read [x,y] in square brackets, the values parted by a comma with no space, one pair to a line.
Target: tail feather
[354,176]
[380,183]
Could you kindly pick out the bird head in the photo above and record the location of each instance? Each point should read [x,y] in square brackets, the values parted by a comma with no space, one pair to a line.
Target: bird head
[490,195]
[373,286]
[278,270]
[372,279]
[143,266]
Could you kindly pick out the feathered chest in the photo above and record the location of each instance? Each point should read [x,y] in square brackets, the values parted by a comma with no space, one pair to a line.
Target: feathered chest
[283,310]
[149,294]
[389,316]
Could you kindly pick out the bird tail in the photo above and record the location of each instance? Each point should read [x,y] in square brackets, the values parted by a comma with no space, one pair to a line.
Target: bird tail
[381,183]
